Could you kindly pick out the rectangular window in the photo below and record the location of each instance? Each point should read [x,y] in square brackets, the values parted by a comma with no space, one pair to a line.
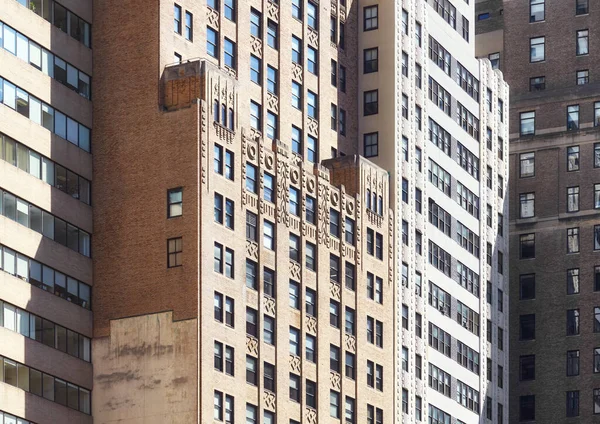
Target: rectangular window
[370,60]
[296,50]
[582,77]
[371,102]
[572,117]
[255,69]
[312,59]
[527,165]
[537,49]
[582,42]
[212,42]
[189,26]
[312,104]
[582,8]
[175,202]
[537,84]
[537,10]
[572,199]
[371,144]
[370,18]
[229,51]
[177,19]
[175,252]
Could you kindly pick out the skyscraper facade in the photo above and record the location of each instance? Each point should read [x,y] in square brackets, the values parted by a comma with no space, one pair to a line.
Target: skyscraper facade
[548,52]
[46,214]
[299,214]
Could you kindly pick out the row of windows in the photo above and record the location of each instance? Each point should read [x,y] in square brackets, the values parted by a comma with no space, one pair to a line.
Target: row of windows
[527,160]
[467,239]
[45,223]
[440,56]
[45,277]
[62,18]
[439,177]
[537,46]
[44,331]
[582,77]
[467,82]
[6,418]
[527,120]
[439,96]
[572,405]
[527,324]
[467,160]
[42,59]
[189,23]
[44,114]
[45,385]
[527,283]
[41,167]
[225,411]
[527,364]
[467,121]
[527,201]
[537,9]
[441,341]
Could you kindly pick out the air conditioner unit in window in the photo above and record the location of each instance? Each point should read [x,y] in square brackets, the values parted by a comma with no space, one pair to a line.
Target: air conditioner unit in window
[442,308]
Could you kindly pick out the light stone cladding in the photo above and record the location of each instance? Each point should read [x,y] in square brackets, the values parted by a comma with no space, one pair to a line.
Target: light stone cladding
[18,288]
[176,137]
[392,127]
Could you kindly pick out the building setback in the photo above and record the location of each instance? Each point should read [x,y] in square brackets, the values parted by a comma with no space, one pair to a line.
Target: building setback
[549,54]
[276,184]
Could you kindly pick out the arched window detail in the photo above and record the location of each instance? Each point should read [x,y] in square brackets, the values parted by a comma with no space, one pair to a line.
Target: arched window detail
[223,115]
[231,122]
[216,111]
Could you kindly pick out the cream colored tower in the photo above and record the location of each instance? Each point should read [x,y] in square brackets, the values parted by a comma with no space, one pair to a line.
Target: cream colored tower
[443,134]
[45,211]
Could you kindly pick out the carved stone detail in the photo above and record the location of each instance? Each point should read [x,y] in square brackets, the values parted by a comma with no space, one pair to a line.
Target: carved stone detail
[323,213]
[297,72]
[269,162]
[336,380]
[269,303]
[273,102]
[335,198]
[313,38]
[336,291]
[204,140]
[251,152]
[283,192]
[311,415]
[311,324]
[358,232]
[269,400]
[334,7]
[295,175]
[273,10]
[224,133]
[213,17]
[350,342]
[255,135]
[295,363]
[251,345]
[313,127]
[310,186]
[252,249]
[295,270]
[256,46]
